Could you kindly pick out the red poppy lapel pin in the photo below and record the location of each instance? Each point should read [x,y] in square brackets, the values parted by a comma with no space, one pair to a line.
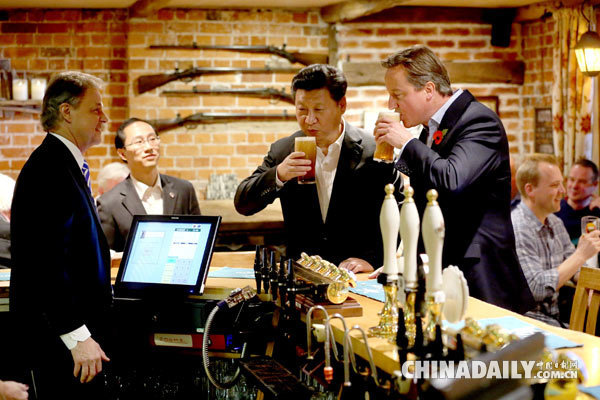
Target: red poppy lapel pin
[438,136]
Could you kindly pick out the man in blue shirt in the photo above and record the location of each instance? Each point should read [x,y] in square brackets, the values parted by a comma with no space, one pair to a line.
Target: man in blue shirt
[582,183]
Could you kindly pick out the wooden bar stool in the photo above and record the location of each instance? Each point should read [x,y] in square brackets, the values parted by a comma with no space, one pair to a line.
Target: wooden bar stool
[587,298]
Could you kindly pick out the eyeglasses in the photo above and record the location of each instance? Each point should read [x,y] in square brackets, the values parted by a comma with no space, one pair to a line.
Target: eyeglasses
[153,141]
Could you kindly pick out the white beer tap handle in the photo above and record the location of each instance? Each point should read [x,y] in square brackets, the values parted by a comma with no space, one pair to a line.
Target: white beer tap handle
[389,220]
[433,237]
[400,258]
[409,232]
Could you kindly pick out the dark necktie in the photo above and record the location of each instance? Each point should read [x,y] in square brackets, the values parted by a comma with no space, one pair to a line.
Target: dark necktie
[85,170]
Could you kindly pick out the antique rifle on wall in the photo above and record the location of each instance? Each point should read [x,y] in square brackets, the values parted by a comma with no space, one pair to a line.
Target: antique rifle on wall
[149,82]
[293,57]
[266,93]
[193,120]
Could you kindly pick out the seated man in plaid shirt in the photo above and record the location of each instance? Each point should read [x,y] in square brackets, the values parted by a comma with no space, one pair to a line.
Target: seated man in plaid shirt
[545,251]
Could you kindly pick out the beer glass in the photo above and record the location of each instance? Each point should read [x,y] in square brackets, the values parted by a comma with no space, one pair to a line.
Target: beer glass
[307,145]
[384,152]
[590,223]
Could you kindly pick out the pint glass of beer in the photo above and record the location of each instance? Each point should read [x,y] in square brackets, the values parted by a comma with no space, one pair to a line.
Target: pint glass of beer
[384,152]
[307,145]
[590,223]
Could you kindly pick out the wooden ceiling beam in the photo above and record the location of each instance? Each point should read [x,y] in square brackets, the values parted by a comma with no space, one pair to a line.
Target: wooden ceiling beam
[350,10]
[372,73]
[145,8]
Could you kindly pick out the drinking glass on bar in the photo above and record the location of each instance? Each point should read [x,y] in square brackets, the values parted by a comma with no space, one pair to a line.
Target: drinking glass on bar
[307,145]
[384,152]
[590,223]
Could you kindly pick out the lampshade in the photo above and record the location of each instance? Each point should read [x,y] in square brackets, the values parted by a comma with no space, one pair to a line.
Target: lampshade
[587,51]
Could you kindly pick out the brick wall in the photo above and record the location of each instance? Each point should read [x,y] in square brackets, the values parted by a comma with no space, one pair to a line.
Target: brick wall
[43,42]
[537,47]
[237,147]
[114,47]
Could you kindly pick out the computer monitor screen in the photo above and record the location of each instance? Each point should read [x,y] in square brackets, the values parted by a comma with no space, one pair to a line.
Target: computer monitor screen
[167,254]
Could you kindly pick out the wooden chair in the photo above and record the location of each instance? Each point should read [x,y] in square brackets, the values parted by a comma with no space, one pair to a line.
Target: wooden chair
[584,301]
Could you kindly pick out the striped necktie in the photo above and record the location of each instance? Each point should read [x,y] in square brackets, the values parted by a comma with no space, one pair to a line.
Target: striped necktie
[85,169]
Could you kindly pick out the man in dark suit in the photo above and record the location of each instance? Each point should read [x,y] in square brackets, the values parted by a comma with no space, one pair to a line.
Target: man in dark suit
[142,192]
[7,187]
[60,283]
[463,154]
[338,217]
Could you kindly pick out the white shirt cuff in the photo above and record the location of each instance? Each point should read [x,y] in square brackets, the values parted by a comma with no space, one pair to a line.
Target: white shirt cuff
[78,335]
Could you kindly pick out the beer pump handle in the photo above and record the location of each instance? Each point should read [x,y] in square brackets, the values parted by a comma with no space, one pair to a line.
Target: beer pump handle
[273,276]
[265,270]
[282,281]
[291,284]
[257,270]
[433,238]
[418,348]
[401,339]
[437,346]
[459,353]
[409,232]
[389,221]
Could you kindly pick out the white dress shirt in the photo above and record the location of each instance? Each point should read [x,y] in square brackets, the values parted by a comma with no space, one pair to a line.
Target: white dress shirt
[325,169]
[151,196]
[82,333]
[436,119]
[434,122]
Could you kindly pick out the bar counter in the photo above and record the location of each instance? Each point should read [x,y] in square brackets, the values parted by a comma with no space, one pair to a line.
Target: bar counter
[383,352]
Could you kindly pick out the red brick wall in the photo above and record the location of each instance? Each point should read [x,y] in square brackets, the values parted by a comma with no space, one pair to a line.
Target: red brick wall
[44,42]
[113,46]
[537,47]
[238,147]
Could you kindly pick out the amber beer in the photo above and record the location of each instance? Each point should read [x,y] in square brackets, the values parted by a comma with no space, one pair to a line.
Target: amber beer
[307,145]
[384,151]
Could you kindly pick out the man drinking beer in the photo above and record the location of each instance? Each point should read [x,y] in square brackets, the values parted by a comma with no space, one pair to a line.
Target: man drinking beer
[337,217]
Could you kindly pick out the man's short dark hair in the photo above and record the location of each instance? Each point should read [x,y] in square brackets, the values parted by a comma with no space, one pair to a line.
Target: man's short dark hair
[421,66]
[584,162]
[319,76]
[120,137]
[67,87]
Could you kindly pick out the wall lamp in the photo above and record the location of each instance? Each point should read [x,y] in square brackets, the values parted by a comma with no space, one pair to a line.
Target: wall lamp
[587,51]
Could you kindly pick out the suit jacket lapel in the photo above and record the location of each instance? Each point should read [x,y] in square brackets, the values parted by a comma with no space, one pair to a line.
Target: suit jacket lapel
[452,115]
[77,176]
[169,195]
[131,201]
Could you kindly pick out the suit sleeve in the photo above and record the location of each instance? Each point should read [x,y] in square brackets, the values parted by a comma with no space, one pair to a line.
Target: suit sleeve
[107,221]
[474,152]
[259,189]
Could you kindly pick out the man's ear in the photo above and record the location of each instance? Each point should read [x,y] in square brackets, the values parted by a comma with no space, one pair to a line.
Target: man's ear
[65,111]
[429,89]
[528,189]
[343,104]
[122,154]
